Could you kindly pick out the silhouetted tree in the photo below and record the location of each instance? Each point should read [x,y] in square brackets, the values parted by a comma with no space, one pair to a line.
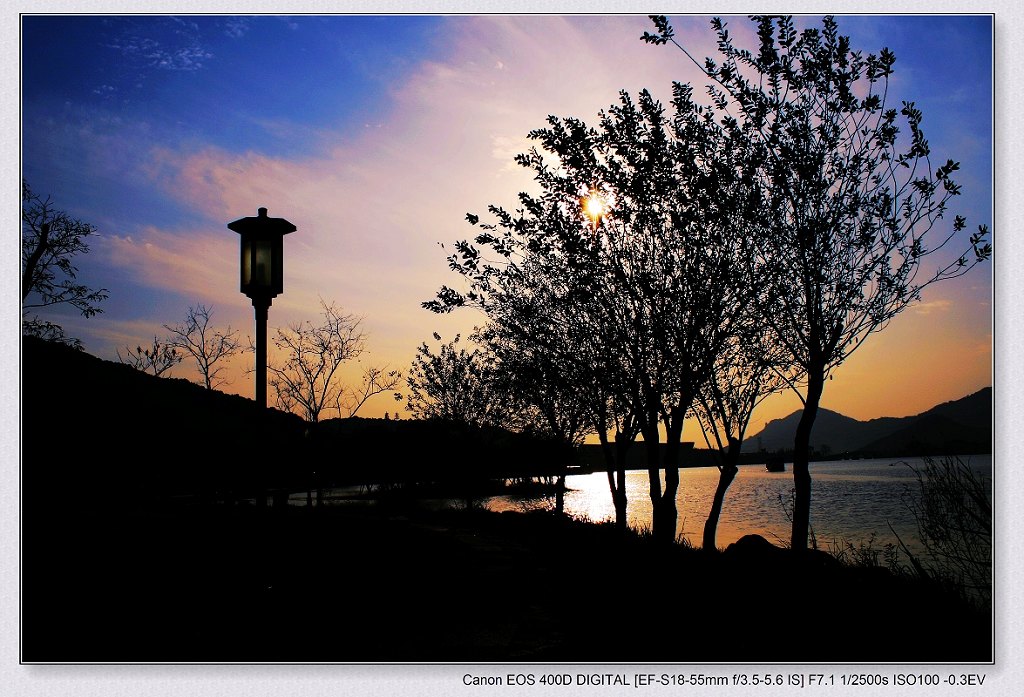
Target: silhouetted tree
[305,375]
[545,399]
[455,384]
[158,359]
[208,346]
[497,383]
[850,207]
[669,290]
[579,375]
[50,239]
[649,278]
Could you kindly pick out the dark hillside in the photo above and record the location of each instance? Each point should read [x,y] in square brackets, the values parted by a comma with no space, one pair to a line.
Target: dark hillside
[356,450]
[931,434]
[973,411]
[95,425]
[960,427]
[166,436]
[838,432]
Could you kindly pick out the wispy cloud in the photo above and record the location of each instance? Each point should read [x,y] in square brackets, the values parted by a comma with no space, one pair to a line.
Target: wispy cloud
[185,261]
[236,27]
[932,307]
[148,44]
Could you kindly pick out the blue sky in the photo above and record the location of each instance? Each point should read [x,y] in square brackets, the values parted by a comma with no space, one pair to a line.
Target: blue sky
[375,135]
[275,85]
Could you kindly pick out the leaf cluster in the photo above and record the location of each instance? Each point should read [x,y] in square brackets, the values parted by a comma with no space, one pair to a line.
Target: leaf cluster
[456,384]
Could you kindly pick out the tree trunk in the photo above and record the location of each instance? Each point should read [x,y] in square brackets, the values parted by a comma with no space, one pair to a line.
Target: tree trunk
[801,460]
[725,478]
[651,443]
[614,461]
[33,260]
[560,494]
[664,519]
[622,445]
[609,462]
[666,514]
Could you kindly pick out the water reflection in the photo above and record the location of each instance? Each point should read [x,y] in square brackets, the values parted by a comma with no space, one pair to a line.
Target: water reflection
[851,500]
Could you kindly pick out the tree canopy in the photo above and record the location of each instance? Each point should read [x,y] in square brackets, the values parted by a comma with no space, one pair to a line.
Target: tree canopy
[50,240]
[850,204]
[620,274]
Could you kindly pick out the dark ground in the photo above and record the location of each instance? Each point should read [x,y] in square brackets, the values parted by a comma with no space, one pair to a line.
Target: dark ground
[112,570]
[369,584]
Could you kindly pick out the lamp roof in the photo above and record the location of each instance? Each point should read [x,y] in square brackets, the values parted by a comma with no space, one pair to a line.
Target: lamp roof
[261,225]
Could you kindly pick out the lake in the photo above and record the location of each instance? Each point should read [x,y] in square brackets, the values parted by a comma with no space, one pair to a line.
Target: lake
[850,501]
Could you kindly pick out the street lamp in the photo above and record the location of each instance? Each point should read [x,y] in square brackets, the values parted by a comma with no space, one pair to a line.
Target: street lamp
[262,278]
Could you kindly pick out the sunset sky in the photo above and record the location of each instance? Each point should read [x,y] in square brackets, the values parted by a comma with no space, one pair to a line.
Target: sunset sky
[375,135]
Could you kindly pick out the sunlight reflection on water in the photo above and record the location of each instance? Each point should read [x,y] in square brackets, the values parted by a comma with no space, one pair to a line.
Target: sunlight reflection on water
[850,501]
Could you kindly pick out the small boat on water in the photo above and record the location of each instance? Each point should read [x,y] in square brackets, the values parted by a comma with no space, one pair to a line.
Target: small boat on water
[775,464]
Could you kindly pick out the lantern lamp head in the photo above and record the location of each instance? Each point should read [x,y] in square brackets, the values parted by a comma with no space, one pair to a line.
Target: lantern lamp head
[262,254]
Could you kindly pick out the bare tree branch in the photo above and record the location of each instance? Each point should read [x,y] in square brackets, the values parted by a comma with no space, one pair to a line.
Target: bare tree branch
[158,359]
[209,347]
[305,378]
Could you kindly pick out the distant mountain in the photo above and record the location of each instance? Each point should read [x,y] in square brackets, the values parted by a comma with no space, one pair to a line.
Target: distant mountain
[959,427]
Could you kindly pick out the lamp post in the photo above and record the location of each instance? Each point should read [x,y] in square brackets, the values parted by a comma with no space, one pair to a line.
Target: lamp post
[262,278]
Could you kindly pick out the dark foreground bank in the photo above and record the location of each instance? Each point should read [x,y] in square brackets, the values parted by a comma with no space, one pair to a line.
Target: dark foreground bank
[370,584]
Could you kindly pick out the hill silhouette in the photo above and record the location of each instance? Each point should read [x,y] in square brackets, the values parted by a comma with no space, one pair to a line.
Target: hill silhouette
[959,427]
[165,437]
[96,425]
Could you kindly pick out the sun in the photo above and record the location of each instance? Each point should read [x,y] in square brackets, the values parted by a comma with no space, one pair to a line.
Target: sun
[595,207]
